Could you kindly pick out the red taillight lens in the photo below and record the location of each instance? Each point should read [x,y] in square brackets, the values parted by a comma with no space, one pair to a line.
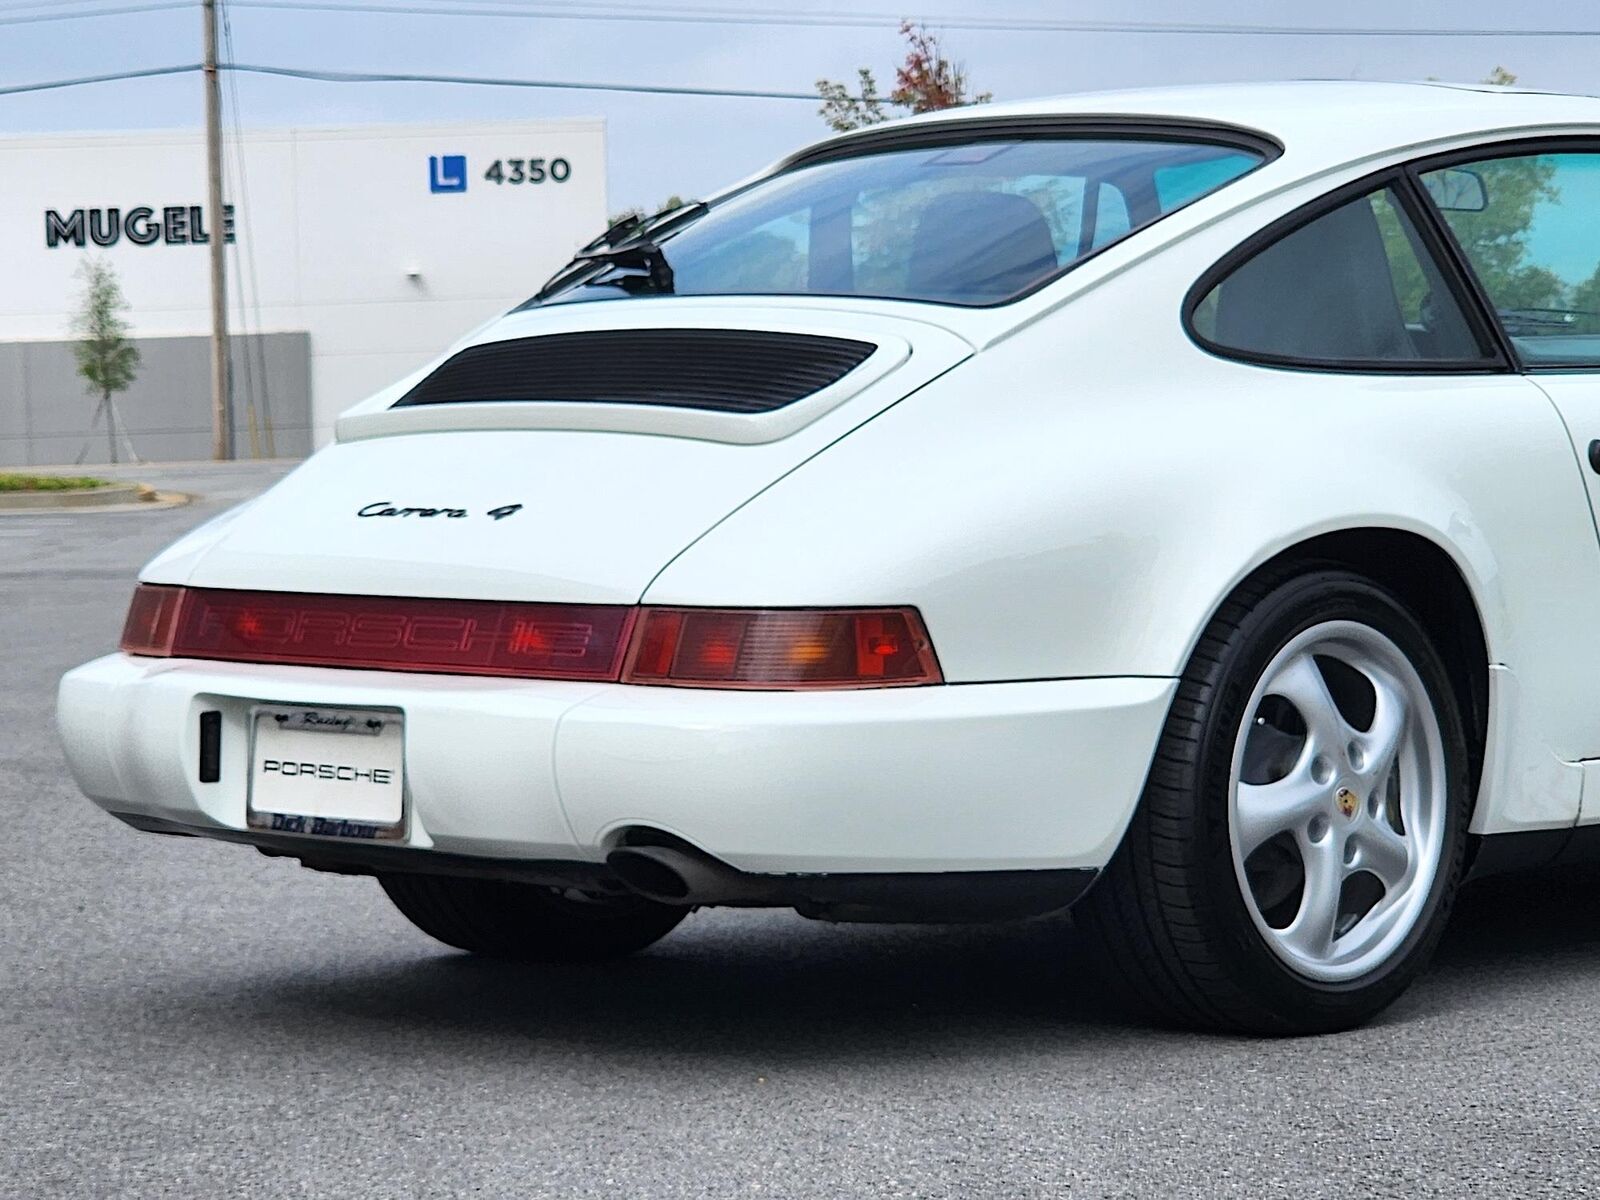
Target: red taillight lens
[781,648]
[777,649]
[152,620]
[453,637]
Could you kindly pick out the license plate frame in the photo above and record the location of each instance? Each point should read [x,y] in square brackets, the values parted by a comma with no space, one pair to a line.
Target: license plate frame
[334,753]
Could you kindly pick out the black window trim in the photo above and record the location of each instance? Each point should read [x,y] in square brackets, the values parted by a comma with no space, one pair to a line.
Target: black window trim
[1035,127]
[1446,260]
[1506,148]
[1031,127]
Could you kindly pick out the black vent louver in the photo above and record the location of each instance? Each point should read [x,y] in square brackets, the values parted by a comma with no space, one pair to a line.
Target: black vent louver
[724,370]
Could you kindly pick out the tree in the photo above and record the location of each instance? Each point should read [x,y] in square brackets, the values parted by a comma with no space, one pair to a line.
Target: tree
[843,111]
[1496,239]
[926,82]
[1500,77]
[107,359]
[1585,303]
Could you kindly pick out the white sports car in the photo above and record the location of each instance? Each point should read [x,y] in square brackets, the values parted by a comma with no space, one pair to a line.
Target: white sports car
[1177,502]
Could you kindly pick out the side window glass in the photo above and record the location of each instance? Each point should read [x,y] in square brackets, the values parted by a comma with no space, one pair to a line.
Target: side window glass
[1354,287]
[1528,226]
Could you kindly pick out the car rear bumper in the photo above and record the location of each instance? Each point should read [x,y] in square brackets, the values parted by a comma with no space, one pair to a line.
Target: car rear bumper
[979,777]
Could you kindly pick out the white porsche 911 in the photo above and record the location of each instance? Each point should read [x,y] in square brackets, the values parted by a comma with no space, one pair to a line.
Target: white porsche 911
[1177,502]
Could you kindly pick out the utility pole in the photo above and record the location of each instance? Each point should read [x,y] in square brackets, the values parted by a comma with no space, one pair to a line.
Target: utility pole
[221,412]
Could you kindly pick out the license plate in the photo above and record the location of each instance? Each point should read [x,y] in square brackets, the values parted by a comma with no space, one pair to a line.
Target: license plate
[333,772]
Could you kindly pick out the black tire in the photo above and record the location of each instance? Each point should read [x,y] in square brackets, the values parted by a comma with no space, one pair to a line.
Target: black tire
[526,922]
[1169,916]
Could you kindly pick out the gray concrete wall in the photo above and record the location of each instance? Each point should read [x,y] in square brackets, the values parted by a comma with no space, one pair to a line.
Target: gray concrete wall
[47,414]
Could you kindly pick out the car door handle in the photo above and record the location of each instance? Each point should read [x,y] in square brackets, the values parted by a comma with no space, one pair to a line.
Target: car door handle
[1594,454]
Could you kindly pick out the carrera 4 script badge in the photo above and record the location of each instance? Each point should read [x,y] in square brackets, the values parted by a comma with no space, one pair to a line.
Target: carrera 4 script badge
[388,508]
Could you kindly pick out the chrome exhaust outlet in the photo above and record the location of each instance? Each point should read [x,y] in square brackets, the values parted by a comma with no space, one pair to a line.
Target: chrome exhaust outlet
[671,876]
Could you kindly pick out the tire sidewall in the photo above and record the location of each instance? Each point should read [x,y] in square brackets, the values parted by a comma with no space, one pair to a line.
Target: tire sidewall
[1286,611]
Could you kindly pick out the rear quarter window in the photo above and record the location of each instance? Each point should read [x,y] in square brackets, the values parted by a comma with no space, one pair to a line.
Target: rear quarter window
[1355,286]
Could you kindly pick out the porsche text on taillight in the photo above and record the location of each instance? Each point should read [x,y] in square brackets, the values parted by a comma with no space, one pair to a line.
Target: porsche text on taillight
[447,637]
[772,649]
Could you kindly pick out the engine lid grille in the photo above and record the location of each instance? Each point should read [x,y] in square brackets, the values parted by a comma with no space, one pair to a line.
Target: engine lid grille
[720,370]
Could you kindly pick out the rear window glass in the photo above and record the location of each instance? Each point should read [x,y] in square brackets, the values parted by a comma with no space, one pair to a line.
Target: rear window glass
[975,223]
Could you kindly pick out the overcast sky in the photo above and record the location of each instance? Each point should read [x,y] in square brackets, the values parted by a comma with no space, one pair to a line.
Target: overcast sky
[665,145]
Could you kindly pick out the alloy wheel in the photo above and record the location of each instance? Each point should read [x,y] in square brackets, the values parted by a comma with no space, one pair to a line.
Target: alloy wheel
[1337,801]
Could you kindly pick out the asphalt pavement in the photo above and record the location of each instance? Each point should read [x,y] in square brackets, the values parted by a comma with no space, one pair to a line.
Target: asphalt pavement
[192,1019]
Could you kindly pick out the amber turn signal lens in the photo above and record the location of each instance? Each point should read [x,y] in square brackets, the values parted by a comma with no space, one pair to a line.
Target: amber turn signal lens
[782,649]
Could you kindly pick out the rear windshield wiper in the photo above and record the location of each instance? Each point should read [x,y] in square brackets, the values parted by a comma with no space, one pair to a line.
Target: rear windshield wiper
[642,255]
[616,232]
[627,234]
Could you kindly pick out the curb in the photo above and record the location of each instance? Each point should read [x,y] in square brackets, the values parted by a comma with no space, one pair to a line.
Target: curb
[115,498]
[116,493]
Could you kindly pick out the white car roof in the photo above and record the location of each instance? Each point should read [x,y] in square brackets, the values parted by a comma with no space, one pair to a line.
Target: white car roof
[1319,123]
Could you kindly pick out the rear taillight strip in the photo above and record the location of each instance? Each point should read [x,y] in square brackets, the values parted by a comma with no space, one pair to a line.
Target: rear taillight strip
[451,637]
[771,649]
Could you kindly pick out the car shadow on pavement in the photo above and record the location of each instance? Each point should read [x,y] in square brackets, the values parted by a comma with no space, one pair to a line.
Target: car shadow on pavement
[748,984]
[1534,919]
[770,986]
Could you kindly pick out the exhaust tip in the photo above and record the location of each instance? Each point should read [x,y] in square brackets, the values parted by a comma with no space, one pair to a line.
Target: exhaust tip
[644,872]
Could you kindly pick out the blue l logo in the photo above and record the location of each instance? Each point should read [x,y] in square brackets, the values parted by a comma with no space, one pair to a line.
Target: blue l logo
[447,173]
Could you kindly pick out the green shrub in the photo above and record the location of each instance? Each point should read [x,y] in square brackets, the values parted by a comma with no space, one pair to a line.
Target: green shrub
[11,482]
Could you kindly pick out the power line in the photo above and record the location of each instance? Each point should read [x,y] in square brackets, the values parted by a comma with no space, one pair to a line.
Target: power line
[36,4]
[543,11]
[706,14]
[324,76]
[163,6]
[711,15]
[53,84]
[386,77]
[483,81]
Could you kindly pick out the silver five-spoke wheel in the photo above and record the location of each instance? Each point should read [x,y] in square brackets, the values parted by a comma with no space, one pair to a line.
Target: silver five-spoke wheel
[1337,801]
[1296,852]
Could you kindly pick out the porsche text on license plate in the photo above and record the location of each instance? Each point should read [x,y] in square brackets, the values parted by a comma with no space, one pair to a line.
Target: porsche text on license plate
[335,772]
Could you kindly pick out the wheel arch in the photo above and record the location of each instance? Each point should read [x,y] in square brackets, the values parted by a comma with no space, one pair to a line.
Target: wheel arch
[1161,913]
[1431,583]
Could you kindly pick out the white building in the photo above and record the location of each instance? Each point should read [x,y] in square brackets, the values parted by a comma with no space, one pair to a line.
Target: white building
[368,249]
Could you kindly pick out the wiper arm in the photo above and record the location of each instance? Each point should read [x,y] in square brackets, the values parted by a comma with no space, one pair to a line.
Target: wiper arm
[635,225]
[626,234]
[615,233]
[641,254]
